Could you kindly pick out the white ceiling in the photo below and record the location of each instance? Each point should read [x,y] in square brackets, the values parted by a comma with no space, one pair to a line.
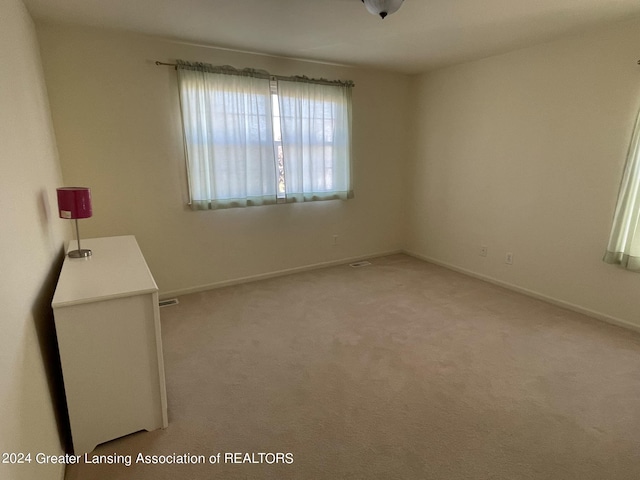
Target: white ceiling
[422,35]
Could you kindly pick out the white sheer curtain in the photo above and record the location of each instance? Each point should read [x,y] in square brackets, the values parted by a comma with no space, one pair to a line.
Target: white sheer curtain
[228,131]
[624,242]
[315,122]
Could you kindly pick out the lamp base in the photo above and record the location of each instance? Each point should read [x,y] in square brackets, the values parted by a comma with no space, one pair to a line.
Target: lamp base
[83,253]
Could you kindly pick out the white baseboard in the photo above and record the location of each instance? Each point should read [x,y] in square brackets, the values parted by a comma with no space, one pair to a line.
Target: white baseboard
[305,268]
[555,301]
[277,273]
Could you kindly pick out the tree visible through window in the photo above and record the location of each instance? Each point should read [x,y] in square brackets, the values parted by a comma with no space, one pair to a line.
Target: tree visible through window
[253,139]
[277,139]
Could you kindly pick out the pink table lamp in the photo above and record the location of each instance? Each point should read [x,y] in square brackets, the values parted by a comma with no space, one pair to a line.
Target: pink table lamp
[75,203]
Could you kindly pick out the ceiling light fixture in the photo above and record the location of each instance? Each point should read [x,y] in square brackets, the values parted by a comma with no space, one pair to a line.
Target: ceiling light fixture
[382,7]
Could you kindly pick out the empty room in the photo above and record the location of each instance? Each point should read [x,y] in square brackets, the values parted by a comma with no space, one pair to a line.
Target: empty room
[330,239]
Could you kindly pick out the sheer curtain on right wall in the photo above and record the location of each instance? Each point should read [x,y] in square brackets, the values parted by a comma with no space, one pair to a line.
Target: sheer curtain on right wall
[624,241]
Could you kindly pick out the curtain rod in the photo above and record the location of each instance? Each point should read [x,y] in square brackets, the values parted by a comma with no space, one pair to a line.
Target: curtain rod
[320,81]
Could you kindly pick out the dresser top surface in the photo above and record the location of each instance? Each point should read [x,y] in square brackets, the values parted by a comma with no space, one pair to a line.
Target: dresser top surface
[115,269]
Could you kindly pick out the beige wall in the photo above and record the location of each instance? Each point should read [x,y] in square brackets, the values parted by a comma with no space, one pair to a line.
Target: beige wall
[524,153]
[118,129]
[521,152]
[31,239]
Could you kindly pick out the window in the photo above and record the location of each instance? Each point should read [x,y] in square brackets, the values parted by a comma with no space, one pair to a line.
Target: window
[253,139]
[624,241]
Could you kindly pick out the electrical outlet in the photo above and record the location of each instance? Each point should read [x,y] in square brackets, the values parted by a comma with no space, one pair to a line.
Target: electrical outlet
[509,258]
[483,251]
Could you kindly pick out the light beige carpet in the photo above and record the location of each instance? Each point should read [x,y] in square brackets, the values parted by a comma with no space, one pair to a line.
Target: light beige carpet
[398,370]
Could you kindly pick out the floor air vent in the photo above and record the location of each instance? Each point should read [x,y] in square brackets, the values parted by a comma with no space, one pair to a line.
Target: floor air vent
[168,302]
[360,264]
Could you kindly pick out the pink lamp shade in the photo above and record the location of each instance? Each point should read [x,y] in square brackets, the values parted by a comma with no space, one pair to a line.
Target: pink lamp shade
[74,202]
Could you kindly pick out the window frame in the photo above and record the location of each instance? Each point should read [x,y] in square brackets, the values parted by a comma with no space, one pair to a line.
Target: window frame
[278,145]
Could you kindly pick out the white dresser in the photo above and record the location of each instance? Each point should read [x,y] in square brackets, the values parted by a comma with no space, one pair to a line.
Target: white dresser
[108,327]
